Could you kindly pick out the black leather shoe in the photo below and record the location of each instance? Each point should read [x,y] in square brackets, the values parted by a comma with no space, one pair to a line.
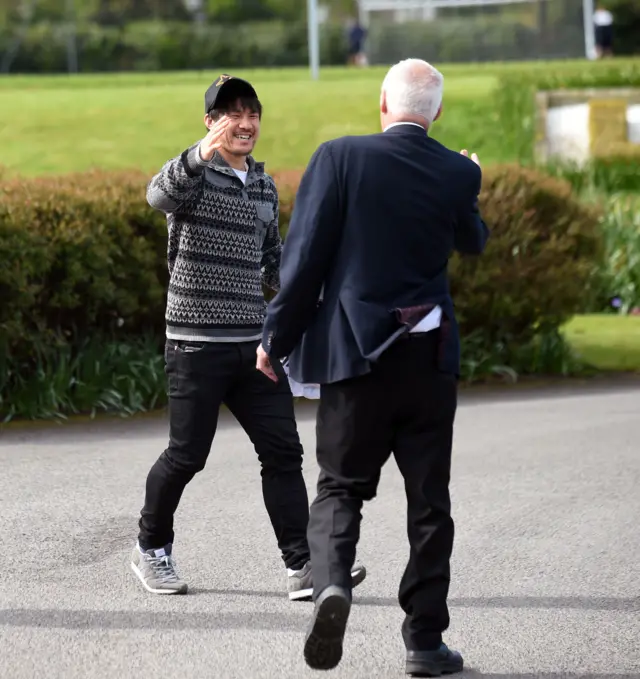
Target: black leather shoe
[323,645]
[434,663]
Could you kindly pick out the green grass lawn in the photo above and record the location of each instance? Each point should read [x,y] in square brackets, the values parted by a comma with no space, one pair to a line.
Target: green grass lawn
[58,124]
[606,341]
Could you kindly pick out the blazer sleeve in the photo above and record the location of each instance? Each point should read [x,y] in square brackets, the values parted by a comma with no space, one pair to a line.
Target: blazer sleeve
[308,252]
[471,233]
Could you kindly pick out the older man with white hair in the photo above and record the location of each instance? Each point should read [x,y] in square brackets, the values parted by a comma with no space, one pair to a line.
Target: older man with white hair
[375,222]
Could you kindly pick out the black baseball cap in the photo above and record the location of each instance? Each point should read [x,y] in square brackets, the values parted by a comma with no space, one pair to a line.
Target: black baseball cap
[224,80]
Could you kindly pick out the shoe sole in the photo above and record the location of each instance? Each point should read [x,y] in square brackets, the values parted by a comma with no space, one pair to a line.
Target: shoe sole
[138,573]
[323,645]
[357,576]
[418,669]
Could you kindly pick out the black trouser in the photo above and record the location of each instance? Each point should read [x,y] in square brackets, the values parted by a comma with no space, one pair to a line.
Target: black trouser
[405,406]
[201,377]
[604,37]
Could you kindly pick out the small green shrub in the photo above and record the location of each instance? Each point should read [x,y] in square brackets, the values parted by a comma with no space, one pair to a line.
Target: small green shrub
[82,254]
[609,174]
[536,271]
[547,354]
[99,375]
[619,275]
[171,46]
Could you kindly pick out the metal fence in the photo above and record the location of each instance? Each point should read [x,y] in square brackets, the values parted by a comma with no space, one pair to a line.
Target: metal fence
[475,30]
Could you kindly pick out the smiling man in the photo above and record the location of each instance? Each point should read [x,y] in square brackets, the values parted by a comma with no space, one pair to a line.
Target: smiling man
[224,245]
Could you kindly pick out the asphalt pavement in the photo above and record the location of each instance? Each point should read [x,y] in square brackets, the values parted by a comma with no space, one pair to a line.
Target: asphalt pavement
[546,566]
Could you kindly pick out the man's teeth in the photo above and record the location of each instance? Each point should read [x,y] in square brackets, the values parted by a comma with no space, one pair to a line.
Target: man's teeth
[243,136]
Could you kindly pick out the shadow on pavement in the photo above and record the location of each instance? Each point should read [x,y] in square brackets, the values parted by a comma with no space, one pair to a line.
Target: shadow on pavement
[624,605]
[630,605]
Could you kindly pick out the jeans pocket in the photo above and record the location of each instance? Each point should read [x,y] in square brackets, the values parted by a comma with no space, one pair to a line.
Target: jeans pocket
[188,347]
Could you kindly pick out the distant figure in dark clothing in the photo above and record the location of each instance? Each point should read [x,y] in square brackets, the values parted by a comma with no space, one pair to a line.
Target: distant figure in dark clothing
[357,35]
[603,21]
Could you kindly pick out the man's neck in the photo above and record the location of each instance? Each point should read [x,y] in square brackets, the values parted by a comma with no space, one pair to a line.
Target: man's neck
[414,120]
[236,162]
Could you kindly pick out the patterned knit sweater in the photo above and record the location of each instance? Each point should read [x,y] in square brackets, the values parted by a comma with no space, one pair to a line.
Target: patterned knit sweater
[224,244]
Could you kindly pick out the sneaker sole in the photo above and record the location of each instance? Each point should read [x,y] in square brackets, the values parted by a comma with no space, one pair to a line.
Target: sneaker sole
[138,573]
[323,645]
[416,669]
[357,576]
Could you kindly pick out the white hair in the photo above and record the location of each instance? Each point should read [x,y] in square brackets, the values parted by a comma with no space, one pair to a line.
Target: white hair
[414,87]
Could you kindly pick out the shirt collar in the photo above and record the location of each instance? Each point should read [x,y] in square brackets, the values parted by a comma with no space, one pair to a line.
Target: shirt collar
[388,127]
[256,169]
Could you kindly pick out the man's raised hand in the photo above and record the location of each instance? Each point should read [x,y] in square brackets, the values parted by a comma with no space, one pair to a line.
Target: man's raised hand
[474,156]
[213,141]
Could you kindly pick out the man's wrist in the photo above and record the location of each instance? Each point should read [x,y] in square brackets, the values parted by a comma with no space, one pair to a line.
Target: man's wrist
[267,341]
[193,164]
[199,159]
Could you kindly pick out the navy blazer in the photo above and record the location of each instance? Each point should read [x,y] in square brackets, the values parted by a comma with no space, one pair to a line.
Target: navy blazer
[375,221]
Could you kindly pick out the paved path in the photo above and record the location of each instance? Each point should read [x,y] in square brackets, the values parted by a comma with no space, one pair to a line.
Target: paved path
[546,571]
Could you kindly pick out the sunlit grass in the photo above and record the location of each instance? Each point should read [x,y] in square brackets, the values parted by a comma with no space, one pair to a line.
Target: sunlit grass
[59,124]
[607,342]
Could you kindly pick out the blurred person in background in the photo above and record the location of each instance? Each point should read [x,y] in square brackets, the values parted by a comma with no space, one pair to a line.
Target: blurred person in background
[375,221]
[224,245]
[356,35]
[603,22]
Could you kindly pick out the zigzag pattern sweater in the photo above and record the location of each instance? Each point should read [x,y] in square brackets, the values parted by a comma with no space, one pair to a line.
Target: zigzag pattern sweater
[224,244]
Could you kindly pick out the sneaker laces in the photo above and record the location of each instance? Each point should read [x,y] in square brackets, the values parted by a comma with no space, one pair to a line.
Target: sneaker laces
[164,568]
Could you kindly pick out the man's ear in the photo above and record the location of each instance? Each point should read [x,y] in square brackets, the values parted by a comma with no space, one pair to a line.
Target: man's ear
[207,121]
[438,114]
[383,103]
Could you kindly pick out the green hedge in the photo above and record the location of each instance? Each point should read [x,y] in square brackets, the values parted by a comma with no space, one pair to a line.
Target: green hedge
[84,278]
[159,46]
[85,254]
[80,254]
[537,269]
[174,45]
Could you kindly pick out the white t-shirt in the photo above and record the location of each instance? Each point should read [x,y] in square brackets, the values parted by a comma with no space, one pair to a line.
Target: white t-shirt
[242,174]
[603,17]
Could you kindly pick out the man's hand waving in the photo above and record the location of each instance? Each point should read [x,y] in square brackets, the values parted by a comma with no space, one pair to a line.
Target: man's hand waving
[474,156]
[213,141]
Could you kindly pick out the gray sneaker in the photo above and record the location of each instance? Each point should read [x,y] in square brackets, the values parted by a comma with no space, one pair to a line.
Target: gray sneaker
[156,570]
[300,582]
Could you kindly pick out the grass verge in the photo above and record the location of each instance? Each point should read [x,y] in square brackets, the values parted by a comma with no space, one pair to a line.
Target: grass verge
[606,341]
